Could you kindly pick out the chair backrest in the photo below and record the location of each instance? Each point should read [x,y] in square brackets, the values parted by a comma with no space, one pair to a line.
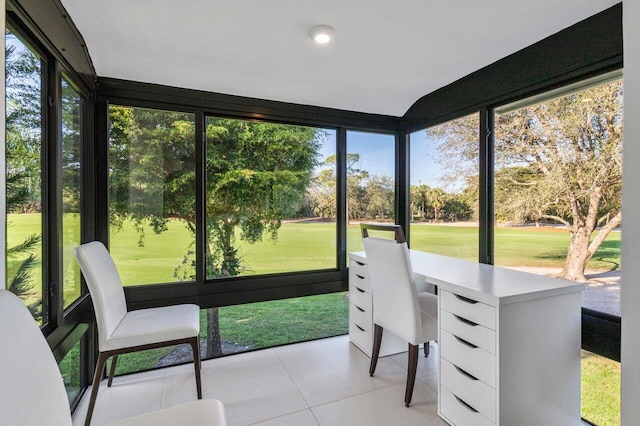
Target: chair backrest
[395,298]
[105,287]
[31,387]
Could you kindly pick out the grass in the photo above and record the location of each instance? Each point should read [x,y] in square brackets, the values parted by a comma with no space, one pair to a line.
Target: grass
[311,246]
[600,390]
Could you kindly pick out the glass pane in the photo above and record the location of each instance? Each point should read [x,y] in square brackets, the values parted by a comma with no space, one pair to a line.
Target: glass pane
[70,370]
[71,140]
[270,198]
[24,123]
[152,194]
[444,188]
[240,328]
[558,191]
[370,182]
[600,390]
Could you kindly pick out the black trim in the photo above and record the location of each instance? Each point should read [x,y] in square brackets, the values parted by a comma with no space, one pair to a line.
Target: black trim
[590,47]
[486,213]
[402,186]
[218,104]
[49,21]
[341,201]
[601,333]
[237,290]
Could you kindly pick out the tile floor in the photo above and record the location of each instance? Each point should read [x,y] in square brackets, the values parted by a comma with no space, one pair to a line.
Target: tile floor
[324,382]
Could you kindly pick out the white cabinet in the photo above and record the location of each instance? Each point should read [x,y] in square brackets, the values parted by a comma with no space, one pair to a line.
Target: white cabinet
[361,312]
[510,364]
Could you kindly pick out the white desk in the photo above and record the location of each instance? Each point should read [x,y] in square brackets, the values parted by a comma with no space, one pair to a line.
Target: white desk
[509,342]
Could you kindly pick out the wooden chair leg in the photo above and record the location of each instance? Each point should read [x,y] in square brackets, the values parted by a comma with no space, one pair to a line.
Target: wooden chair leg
[97,375]
[426,349]
[411,373]
[112,370]
[195,347]
[377,341]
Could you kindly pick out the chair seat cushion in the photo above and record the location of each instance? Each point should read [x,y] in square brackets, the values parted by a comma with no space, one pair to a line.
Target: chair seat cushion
[429,315]
[200,412]
[155,325]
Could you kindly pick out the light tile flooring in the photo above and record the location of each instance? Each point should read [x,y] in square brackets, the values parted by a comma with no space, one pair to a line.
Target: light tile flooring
[324,382]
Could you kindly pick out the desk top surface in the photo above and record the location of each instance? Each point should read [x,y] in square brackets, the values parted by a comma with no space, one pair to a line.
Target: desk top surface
[486,283]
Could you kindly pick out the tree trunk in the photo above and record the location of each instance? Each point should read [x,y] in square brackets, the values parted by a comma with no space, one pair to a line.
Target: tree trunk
[578,255]
[214,343]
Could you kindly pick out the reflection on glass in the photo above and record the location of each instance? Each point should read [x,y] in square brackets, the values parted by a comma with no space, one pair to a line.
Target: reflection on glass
[558,190]
[71,140]
[600,390]
[370,182]
[70,370]
[444,188]
[152,194]
[23,173]
[271,200]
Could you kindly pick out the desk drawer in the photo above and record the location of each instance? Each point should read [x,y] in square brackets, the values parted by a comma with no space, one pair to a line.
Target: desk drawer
[459,412]
[361,338]
[471,332]
[474,360]
[471,390]
[477,312]
[358,278]
[361,298]
[361,317]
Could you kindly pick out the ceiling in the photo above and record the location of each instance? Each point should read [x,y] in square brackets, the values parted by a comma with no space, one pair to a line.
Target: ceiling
[385,56]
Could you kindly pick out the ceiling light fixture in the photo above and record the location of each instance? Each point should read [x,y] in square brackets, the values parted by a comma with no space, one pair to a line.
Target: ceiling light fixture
[322,34]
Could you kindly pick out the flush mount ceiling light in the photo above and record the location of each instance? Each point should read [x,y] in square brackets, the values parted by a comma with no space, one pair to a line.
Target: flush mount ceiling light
[322,34]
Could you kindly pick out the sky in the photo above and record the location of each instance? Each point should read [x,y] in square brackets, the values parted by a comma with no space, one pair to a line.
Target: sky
[377,155]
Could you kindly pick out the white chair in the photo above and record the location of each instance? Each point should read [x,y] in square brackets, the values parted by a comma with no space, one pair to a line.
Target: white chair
[31,387]
[122,332]
[397,305]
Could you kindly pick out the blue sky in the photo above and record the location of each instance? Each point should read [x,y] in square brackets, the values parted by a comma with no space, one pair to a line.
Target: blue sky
[377,154]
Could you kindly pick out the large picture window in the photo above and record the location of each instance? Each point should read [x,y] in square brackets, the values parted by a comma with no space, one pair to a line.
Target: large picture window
[271,198]
[370,173]
[152,194]
[558,188]
[444,189]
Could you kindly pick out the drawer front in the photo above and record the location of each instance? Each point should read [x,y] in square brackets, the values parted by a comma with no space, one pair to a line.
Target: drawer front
[477,312]
[361,317]
[470,331]
[361,281]
[361,338]
[473,391]
[475,361]
[459,412]
[361,298]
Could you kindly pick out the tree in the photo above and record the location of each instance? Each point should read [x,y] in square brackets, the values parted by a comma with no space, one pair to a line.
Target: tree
[379,190]
[560,160]
[257,174]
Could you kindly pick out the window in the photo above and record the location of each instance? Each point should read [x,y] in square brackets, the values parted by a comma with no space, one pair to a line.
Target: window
[70,369]
[152,194]
[71,178]
[271,199]
[558,183]
[24,144]
[444,193]
[370,182]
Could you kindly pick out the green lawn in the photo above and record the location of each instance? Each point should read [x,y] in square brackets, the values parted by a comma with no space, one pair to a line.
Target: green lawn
[311,246]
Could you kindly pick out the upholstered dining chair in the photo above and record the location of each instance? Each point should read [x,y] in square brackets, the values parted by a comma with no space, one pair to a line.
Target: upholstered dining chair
[121,332]
[397,305]
[32,391]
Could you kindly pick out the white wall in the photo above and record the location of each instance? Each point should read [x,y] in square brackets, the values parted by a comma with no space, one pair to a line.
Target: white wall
[3,198]
[630,288]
